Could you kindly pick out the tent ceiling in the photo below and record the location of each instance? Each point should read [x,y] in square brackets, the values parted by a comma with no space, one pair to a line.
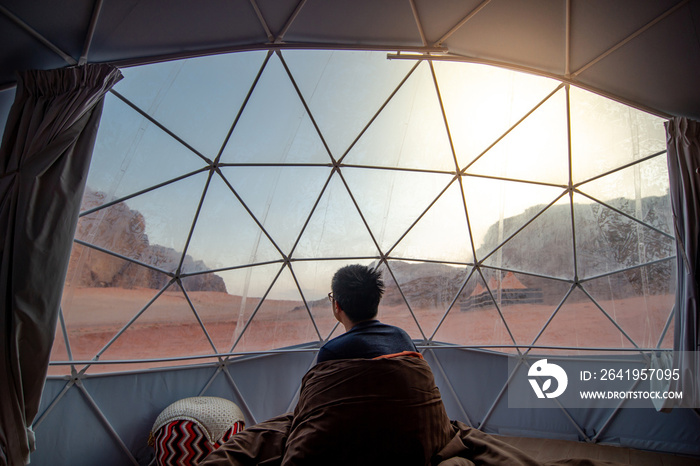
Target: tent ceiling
[642,51]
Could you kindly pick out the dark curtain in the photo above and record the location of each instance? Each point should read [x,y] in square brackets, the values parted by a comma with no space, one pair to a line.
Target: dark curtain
[683,141]
[44,159]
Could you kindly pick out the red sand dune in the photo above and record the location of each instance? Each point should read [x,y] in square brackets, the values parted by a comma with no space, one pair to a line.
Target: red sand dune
[169,328]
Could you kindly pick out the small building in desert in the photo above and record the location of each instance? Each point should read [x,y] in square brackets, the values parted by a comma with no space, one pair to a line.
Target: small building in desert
[509,291]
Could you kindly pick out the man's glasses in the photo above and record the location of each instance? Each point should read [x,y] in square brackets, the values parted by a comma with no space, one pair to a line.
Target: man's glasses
[330,297]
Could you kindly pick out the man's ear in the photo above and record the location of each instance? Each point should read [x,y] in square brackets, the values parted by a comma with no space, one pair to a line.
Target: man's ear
[337,310]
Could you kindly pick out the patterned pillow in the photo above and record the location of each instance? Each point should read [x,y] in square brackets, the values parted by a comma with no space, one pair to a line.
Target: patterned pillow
[191,428]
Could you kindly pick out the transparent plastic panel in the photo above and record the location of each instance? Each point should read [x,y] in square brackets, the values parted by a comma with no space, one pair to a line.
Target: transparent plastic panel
[482,102]
[250,284]
[579,323]
[409,132]
[667,339]
[132,154]
[497,208]
[102,293]
[281,320]
[641,191]
[526,301]
[167,328]
[391,201]
[607,241]
[393,309]
[59,352]
[335,229]
[225,234]
[216,308]
[639,300]
[274,126]
[197,99]
[429,288]
[315,282]
[151,228]
[606,134]
[543,247]
[536,150]
[281,198]
[344,89]
[475,319]
[225,313]
[442,234]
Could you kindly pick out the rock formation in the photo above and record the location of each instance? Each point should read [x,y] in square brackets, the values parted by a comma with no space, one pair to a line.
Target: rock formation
[122,230]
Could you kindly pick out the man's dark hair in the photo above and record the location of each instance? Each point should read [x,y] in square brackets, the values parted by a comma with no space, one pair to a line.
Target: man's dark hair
[358,290]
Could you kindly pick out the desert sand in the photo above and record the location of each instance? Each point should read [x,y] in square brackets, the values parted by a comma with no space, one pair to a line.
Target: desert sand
[169,328]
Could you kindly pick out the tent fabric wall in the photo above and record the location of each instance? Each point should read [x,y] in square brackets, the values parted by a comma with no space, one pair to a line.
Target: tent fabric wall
[469,380]
[683,136]
[44,160]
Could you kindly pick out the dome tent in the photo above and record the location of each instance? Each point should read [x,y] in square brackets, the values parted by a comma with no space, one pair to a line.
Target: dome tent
[314,159]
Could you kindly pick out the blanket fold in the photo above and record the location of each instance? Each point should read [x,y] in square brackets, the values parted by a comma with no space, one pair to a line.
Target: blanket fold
[390,407]
[370,412]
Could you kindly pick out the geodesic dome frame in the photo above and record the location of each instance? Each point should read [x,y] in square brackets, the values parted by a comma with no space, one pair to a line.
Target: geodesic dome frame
[334,171]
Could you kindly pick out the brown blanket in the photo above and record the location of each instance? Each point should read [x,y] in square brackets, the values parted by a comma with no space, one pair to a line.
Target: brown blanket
[368,412]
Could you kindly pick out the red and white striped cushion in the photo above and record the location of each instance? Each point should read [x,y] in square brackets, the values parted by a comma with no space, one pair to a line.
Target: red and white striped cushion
[191,428]
[183,443]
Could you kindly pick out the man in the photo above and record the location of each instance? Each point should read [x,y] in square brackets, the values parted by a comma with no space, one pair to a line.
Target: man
[357,290]
[354,409]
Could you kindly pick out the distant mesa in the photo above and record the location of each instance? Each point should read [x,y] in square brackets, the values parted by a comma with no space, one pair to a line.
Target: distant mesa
[122,230]
[605,239]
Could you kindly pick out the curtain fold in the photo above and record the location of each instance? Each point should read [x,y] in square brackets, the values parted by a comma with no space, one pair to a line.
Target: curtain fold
[683,144]
[44,159]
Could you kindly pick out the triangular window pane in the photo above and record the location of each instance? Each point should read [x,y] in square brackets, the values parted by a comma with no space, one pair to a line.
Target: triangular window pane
[607,241]
[482,102]
[151,228]
[442,234]
[281,198]
[410,131]
[101,294]
[640,191]
[59,352]
[225,234]
[220,300]
[167,328]
[475,319]
[639,300]
[391,201]
[274,126]
[498,208]
[536,150]
[543,247]
[579,323]
[245,288]
[132,154]
[208,90]
[394,311]
[525,301]
[430,289]
[606,134]
[344,89]
[667,341]
[335,228]
[280,321]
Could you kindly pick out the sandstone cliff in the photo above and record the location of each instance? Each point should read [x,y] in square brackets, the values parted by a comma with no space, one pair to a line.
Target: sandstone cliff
[121,229]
